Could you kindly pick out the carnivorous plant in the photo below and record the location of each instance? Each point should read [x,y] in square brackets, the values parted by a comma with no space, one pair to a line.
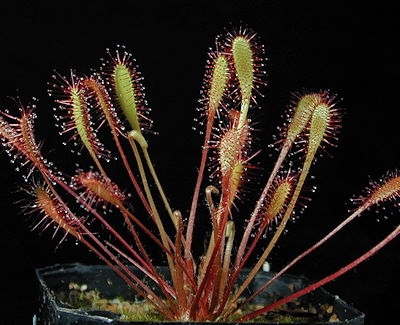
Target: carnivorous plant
[200,288]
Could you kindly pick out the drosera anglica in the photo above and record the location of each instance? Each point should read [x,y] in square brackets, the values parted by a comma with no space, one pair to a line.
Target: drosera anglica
[201,288]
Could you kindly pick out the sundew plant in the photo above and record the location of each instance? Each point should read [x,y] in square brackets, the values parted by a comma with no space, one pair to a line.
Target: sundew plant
[91,205]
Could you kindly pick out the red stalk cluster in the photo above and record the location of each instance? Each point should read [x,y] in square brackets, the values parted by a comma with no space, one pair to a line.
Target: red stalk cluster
[199,288]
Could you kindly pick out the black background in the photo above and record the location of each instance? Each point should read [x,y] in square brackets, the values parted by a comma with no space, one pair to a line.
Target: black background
[348,49]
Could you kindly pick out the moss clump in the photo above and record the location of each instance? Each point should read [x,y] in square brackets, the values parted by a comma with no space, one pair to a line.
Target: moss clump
[79,297]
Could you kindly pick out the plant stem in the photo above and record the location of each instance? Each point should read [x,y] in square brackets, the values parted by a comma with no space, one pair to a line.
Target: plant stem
[164,237]
[160,226]
[51,177]
[239,262]
[244,109]
[282,225]
[165,310]
[101,95]
[261,201]
[323,281]
[180,289]
[308,251]
[227,259]
[112,256]
[159,279]
[156,240]
[216,250]
[162,310]
[193,208]
[159,187]
[146,272]
[130,173]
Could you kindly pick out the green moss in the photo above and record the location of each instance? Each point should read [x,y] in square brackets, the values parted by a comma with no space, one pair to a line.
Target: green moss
[78,297]
[139,310]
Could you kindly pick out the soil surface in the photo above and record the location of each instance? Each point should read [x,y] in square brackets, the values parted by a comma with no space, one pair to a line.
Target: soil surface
[79,297]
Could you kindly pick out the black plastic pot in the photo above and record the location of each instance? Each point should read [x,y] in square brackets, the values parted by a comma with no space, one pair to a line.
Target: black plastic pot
[56,278]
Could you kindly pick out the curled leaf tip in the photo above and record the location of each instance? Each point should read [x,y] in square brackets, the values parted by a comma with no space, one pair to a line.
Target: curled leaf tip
[139,138]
